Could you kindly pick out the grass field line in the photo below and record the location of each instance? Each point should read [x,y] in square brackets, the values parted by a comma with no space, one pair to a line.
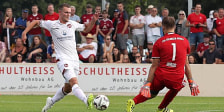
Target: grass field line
[25,102]
[211,111]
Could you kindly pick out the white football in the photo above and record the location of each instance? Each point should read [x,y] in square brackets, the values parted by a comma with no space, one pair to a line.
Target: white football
[101,102]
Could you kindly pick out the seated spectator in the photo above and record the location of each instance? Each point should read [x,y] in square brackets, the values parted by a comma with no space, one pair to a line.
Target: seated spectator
[88,50]
[108,48]
[117,56]
[38,58]
[37,46]
[50,50]
[192,59]
[149,53]
[18,48]
[132,54]
[211,55]
[2,51]
[125,59]
[19,58]
[8,59]
[221,60]
[138,58]
[105,60]
[202,47]
[53,58]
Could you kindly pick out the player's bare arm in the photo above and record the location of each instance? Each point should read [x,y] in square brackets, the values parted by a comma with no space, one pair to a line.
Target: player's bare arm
[28,28]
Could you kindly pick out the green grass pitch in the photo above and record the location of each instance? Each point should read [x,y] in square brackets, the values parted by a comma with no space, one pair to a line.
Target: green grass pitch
[34,103]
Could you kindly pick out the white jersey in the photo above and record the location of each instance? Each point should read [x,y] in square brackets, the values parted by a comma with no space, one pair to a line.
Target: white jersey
[63,36]
[137,20]
[153,31]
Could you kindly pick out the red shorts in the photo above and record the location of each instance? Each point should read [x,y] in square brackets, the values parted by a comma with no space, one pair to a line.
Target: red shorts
[159,83]
[86,59]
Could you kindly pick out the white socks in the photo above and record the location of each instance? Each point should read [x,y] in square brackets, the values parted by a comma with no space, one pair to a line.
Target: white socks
[59,95]
[77,91]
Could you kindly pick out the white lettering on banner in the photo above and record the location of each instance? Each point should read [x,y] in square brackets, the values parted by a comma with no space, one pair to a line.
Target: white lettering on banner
[92,77]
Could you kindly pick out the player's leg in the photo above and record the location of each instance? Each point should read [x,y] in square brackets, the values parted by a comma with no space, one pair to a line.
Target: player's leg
[174,87]
[70,75]
[155,87]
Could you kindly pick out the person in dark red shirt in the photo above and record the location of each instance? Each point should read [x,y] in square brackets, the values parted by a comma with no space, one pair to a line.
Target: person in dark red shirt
[122,29]
[202,47]
[218,28]
[36,31]
[85,19]
[196,21]
[167,70]
[50,16]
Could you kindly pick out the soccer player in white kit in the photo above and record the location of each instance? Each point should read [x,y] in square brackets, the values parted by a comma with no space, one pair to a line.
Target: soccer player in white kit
[63,35]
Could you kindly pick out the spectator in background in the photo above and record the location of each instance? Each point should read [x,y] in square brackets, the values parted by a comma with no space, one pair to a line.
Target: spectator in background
[73,16]
[125,59]
[114,20]
[2,51]
[9,22]
[196,21]
[8,59]
[87,51]
[213,15]
[105,30]
[137,23]
[165,13]
[19,58]
[211,55]
[53,58]
[117,56]
[181,28]
[218,28]
[122,29]
[202,47]
[21,22]
[38,58]
[221,60]
[105,60]
[37,46]
[19,48]
[154,23]
[132,54]
[50,50]
[98,11]
[149,10]
[149,53]
[1,23]
[50,16]
[36,31]
[76,18]
[85,19]
[138,58]
[108,49]
[192,59]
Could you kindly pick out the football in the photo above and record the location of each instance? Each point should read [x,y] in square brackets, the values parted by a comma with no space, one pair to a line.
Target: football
[101,102]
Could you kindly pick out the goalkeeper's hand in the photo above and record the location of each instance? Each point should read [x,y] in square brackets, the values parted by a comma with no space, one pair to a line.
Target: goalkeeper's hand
[194,88]
[145,90]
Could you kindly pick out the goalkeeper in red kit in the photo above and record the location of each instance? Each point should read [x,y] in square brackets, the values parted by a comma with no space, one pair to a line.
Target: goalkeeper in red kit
[169,65]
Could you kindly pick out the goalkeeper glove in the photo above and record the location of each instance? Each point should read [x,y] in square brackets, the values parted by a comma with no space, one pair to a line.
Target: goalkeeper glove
[194,88]
[145,90]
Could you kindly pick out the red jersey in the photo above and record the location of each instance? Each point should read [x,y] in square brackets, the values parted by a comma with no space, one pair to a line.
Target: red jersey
[195,19]
[10,21]
[85,19]
[202,47]
[37,30]
[172,50]
[219,25]
[121,22]
[105,25]
[54,16]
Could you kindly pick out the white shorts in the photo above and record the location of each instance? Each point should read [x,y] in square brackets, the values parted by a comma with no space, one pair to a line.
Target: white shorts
[68,68]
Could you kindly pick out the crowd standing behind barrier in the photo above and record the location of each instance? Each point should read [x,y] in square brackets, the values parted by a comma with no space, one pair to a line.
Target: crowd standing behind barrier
[113,32]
